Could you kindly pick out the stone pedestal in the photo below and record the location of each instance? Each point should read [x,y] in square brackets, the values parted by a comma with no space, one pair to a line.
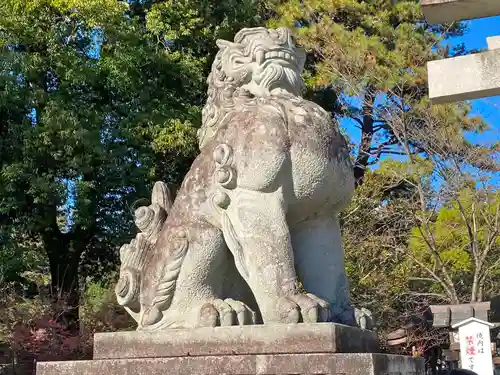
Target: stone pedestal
[246,350]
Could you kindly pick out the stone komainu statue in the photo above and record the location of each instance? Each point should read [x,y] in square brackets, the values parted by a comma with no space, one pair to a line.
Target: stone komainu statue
[257,209]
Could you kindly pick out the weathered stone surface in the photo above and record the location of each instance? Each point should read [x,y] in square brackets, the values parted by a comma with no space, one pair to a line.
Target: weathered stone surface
[465,77]
[445,11]
[376,364]
[257,339]
[493,42]
[257,209]
[338,364]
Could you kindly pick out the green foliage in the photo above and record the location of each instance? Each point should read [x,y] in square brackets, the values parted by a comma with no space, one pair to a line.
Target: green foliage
[427,243]
[463,236]
[195,25]
[114,107]
[19,258]
[100,312]
[98,99]
[93,298]
[376,223]
[30,330]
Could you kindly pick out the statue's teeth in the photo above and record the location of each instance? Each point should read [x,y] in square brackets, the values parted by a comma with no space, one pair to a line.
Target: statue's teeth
[280,55]
[261,56]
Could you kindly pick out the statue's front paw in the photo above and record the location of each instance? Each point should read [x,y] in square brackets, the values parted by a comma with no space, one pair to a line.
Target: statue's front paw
[305,308]
[228,312]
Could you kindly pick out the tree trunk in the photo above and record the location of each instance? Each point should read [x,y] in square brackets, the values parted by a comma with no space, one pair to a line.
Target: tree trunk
[477,287]
[367,132]
[64,275]
[64,265]
[475,284]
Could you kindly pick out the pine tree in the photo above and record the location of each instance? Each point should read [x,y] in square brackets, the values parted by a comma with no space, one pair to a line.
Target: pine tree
[367,66]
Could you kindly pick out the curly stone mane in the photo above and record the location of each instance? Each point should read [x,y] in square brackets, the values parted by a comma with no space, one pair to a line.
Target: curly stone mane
[259,62]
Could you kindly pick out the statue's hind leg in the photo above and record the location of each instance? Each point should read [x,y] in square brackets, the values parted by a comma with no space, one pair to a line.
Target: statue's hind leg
[319,259]
[199,298]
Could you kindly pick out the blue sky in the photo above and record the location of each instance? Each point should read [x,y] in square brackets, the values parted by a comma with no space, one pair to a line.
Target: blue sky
[488,108]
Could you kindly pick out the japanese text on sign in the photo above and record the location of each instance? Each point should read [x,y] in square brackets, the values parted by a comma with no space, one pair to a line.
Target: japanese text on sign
[480,343]
[470,349]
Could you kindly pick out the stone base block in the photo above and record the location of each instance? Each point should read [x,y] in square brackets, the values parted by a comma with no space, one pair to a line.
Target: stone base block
[262,364]
[322,348]
[236,340]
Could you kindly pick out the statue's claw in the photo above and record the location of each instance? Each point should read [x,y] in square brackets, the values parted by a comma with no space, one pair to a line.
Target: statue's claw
[244,315]
[227,312]
[305,308]
[151,316]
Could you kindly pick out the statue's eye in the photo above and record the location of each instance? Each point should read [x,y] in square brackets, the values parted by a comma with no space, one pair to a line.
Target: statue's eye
[238,62]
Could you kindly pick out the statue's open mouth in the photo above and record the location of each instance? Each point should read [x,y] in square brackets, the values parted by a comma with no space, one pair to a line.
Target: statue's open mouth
[281,55]
[287,56]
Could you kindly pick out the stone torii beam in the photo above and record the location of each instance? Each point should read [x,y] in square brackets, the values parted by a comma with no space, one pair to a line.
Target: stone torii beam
[466,77]
[446,11]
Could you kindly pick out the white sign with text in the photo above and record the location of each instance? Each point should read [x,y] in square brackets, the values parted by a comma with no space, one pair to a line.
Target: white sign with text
[475,345]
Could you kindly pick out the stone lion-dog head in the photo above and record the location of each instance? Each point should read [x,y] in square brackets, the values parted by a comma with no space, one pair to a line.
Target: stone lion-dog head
[259,63]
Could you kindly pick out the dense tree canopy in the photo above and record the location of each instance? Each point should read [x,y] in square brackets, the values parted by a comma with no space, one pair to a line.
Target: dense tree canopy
[97,102]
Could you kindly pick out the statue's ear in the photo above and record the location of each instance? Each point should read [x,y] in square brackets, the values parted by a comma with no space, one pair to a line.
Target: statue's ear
[234,63]
[223,44]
